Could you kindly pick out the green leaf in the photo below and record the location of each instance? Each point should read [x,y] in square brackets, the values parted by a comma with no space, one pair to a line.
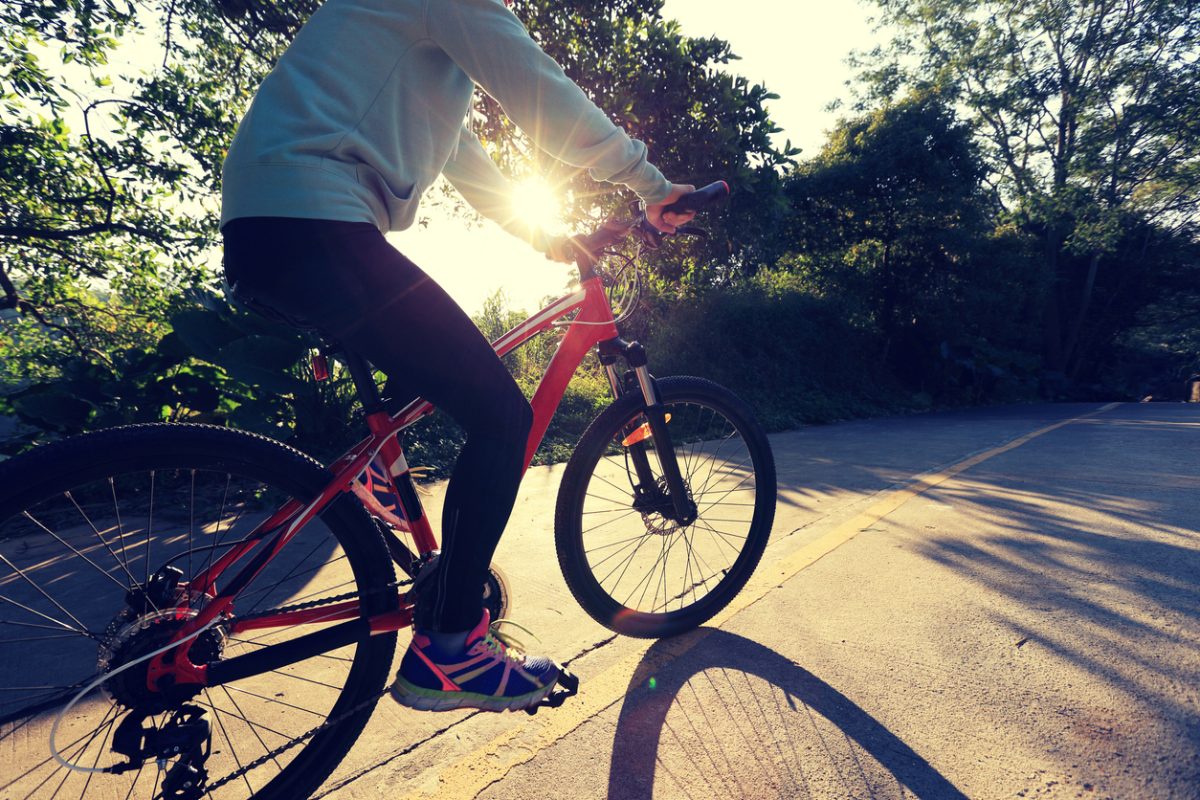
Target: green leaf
[204,332]
[195,392]
[269,352]
[262,361]
[260,416]
[53,408]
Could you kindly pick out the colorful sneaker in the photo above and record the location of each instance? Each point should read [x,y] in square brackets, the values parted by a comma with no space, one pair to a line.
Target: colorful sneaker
[485,674]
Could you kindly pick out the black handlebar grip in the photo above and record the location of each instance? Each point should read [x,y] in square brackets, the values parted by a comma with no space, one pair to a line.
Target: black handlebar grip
[700,199]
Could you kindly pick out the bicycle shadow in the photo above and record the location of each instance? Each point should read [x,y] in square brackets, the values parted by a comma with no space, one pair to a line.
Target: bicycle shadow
[734,717]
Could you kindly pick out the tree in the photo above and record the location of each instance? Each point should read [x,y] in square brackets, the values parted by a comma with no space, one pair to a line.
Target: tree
[1089,112]
[700,123]
[110,178]
[892,217]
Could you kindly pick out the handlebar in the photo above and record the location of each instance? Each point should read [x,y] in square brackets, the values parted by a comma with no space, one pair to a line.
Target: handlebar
[700,199]
[615,230]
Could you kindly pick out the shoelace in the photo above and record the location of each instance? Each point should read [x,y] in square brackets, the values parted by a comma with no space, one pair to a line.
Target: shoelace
[499,642]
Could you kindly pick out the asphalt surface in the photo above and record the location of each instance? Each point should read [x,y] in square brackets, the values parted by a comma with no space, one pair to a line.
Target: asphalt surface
[989,604]
[997,603]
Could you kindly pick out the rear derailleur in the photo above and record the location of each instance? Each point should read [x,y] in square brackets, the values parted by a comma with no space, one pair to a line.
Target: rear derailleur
[186,737]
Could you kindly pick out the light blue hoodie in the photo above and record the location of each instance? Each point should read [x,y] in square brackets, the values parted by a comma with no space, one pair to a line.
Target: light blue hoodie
[367,107]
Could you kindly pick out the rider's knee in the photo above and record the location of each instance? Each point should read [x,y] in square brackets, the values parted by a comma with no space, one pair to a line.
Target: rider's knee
[516,415]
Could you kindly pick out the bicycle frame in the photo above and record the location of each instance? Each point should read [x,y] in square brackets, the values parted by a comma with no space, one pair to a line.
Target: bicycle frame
[379,457]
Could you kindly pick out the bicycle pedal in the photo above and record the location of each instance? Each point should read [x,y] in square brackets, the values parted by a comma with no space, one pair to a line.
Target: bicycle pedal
[566,686]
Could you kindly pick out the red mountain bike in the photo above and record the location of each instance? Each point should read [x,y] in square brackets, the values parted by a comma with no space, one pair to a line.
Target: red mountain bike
[203,612]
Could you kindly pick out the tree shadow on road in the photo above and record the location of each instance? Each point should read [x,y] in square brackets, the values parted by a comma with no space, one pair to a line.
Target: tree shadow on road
[1101,575]
[732,718]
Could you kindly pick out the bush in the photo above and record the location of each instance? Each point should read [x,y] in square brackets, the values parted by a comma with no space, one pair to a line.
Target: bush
[793,355]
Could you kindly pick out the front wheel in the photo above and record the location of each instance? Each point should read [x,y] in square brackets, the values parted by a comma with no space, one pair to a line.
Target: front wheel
[630,561]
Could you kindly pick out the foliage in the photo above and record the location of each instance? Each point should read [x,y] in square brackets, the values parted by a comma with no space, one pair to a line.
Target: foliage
[1017,191]
[109,176]
[217,364]
[699,122]
[795,356]
[891,219]
[1088,113]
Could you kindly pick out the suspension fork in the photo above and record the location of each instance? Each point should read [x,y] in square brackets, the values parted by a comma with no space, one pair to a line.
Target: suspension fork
[635,356]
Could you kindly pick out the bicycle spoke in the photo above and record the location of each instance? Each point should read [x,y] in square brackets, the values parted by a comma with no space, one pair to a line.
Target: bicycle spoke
[610,556]
[229,741]
[262,594]
[708,478]
[124,565]
[81,629]
[70,756]
[112,485]
[610,522]
[234,687]
[58,538]
[613,544]
[626,564]
[37,639]
[220,517]
[95,762]
[663,550]
[610,483]
[713,533]
[150,526]
[726,494]
[255,727]
[58,626]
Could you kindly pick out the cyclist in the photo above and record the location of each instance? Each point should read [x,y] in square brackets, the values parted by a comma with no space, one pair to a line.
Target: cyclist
[362,112]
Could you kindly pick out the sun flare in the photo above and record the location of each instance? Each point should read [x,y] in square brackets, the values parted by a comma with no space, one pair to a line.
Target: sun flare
[536,203]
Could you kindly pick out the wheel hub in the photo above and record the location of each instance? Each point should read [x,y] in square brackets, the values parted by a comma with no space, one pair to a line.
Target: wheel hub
[131,636]
[658,510]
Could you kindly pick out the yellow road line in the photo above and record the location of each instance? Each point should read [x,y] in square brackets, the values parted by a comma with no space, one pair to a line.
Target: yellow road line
[522,742]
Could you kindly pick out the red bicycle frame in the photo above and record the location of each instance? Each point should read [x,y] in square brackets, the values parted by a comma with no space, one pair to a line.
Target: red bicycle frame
[379,457]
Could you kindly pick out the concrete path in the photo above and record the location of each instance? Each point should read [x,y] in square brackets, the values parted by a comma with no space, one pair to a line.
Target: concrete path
[996,603]
[987,604]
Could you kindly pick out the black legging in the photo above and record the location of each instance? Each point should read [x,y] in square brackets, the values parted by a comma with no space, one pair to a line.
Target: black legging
[344,279]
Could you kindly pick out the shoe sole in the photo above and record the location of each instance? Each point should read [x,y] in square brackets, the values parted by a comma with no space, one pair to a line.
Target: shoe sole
[411,696]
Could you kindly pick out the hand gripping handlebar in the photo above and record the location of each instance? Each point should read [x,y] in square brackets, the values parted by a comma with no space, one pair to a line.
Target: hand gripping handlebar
[614,230]
[700,199]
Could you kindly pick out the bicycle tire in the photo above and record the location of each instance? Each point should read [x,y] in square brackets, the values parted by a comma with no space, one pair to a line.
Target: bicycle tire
[58,468]
[679,393]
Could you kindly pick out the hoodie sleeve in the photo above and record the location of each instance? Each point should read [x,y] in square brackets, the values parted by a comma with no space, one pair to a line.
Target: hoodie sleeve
[492,47]
[481,183]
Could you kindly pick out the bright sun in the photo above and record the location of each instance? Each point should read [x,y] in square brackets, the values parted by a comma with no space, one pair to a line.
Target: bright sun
[535,202]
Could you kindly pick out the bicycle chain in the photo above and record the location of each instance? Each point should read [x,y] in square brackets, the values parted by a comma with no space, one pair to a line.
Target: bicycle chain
[329,723]
[321,602]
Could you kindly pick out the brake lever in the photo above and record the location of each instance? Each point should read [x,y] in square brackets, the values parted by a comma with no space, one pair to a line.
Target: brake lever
[649,235]
[692,230]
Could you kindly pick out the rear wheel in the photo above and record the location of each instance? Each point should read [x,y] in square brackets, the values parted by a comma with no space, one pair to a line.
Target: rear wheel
[86,520]
[630,563]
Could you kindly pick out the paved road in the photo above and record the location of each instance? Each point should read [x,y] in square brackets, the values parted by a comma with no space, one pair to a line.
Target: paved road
[997,603]
[988,604]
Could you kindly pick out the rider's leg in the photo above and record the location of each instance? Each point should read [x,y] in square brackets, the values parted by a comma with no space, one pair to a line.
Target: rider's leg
[346,280]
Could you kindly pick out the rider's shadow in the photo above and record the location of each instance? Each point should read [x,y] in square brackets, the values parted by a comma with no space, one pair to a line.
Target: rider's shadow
[732,718]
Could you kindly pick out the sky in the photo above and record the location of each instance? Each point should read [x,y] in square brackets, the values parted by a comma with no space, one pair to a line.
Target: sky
[797,48]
